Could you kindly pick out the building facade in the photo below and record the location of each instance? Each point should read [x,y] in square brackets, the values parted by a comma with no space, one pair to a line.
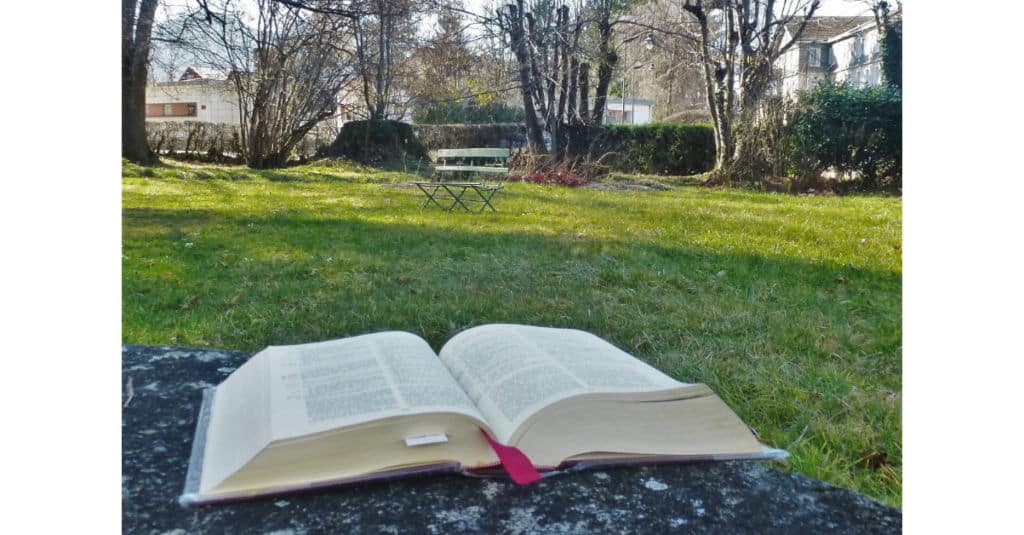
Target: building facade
[836,49]
[628,110]
[207,97]
[202,97]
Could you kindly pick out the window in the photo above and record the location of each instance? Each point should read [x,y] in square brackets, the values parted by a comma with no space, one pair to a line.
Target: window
[175,109]
[814,57]
[620,117]
[858,47]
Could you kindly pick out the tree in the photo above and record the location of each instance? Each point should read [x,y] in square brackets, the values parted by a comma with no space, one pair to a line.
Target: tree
[136,31]
[892,54]
[740,41]
[384,35]
[659,50]
[555,47]
[445,63]
[283,60]
[891,33]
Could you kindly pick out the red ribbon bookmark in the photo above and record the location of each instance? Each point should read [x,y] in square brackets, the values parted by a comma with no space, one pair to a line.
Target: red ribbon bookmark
[516,463]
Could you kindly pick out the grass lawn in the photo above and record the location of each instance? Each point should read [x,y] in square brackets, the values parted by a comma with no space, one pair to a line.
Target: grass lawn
[787,306]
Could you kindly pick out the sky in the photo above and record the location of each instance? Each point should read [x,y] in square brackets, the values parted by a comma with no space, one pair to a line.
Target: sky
[828,7]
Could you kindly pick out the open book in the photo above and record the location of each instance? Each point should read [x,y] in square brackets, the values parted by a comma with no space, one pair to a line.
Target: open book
[385,405]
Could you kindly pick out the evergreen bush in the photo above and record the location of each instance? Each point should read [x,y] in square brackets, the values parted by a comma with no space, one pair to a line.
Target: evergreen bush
[659,148]
[852,131]
[376,141]
[461,136]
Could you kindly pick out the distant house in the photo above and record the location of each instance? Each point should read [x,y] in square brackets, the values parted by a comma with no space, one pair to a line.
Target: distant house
[198,95]
[628,110]
[207,96]
[838,49]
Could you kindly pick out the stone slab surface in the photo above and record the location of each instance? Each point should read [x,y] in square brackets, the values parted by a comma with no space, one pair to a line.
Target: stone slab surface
[731,497]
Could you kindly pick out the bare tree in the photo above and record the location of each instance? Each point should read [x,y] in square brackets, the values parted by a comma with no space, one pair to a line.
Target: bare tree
[384,35]
[285,62]
[659,49]
[740,40]
[444,63]
[555,47]
[882,10]
[136,31]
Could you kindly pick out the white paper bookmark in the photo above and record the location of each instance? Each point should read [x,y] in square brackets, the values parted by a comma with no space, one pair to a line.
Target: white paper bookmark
[423,440]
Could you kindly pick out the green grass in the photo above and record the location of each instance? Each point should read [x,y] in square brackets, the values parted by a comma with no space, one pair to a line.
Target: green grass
[787,306]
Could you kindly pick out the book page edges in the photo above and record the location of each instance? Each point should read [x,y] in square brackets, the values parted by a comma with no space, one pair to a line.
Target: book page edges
[191,496]
[766,453]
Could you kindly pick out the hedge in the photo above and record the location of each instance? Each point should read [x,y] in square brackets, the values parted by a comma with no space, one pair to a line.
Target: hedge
[853,131]
[677,149]
[220,141]
[659,148]
[192,138]
[461,136]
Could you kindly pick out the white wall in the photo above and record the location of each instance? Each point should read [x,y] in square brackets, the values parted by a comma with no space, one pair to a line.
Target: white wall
[863,67]
[641,112]
[215,100]
[797,74]
[792,78]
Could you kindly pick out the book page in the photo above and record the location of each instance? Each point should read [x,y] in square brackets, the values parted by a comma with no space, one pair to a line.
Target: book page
[327,385]
[512,371]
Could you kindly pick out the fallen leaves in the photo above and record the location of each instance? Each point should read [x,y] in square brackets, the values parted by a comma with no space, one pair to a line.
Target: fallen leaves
[190,302]
[873,459]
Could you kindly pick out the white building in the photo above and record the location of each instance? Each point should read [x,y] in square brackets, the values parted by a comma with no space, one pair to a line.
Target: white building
[206,96]
[628,110]
[196,96]
[839,49]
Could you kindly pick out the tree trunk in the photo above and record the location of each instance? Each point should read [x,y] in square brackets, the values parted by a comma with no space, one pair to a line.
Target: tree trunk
[135,36]
[578,135]
[604,70]
[518,34]
[738,151]
[583,105]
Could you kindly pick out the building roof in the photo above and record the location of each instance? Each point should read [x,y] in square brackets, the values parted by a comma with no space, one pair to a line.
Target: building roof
[627,101]
[822,29]
[201,73]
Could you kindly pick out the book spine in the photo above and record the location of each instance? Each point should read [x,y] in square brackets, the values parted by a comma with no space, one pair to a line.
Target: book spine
[190,494]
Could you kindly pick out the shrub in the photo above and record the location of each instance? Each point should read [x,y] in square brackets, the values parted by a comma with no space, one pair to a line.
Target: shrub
[193,139]
[221,142]
[892,54]
[561,175]
[552,169]
[376,141]
[668,148]
[460,136]
[853,131]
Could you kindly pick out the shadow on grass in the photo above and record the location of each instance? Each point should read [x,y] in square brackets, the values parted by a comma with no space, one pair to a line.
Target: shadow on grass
[437,282]
[315,172]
